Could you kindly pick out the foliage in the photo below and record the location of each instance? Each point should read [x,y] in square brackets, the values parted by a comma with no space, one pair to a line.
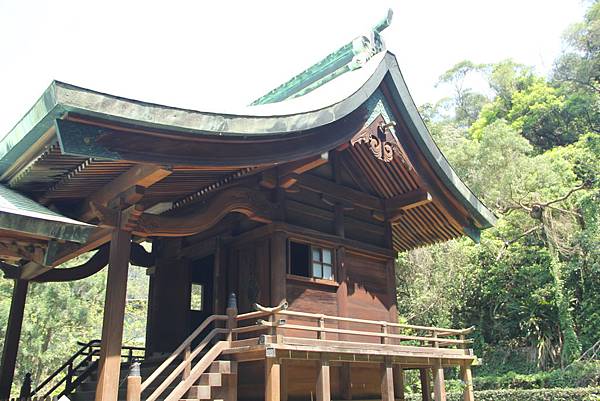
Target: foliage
[57,315]
[532,154]
[567,394]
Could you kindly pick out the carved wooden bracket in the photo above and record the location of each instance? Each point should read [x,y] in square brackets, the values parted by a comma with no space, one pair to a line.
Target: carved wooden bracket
[381,139]
[249,201]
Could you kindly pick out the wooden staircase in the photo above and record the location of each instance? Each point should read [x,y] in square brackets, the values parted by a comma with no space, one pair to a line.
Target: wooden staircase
[214,383]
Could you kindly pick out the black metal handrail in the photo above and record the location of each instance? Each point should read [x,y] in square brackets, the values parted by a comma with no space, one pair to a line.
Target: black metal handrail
[84,361]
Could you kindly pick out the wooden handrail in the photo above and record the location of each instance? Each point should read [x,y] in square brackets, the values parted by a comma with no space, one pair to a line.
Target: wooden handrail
[252,315]
[436,339]
[440,331]
[180,368]
[189,373]
[363,333]
[188,341]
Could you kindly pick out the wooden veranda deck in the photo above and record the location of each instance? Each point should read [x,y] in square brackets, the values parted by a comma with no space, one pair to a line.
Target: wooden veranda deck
[277,334]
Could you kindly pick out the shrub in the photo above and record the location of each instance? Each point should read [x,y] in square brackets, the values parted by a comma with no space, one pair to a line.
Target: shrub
[555,394]
[579,374]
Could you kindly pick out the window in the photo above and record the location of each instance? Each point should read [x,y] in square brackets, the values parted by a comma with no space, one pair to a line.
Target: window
[197,300]
[322,263]
[311,261]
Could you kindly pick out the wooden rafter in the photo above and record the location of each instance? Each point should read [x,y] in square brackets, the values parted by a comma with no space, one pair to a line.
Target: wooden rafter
[129,187]
[396,207]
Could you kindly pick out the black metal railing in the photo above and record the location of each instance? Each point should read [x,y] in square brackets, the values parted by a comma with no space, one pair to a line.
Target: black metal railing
[79,367]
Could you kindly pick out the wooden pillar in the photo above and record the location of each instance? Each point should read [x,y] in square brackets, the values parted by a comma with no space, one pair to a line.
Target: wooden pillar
[114,312]
[399,382]
[284,379]
[439,389]
[13,334]
[272,379]
[467,378]
[346,381]
[323,381]
[425,384]
[387,382]
[231,382]
[278,267]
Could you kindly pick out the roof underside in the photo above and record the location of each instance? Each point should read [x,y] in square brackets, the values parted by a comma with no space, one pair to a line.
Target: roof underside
[75,141]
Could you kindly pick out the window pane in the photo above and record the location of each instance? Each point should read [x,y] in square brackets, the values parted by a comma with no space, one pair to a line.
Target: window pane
[327,272]
[196,298]
[316,254]
[327,256]
[317,270]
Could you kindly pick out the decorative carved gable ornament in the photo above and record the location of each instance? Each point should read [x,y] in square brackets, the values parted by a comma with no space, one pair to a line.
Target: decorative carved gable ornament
[381,139]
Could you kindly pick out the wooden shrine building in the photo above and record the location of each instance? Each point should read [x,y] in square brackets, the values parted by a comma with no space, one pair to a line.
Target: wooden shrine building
[274,233]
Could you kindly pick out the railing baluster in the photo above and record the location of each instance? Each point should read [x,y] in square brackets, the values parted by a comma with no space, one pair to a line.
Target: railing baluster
[232,312]
[434,334]
[188,362]
[322,326]
[384,333]
[134,383]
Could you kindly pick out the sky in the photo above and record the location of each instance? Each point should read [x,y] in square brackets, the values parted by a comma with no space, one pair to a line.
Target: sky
[210,55]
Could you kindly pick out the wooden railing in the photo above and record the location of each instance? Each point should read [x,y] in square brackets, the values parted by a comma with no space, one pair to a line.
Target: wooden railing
[386,332]
[195,360]
[189,370]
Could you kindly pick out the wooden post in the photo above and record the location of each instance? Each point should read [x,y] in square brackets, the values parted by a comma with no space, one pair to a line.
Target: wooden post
[384,333]
[231,382]
[272,379]
[107,388]
[399,382]
[134,383]
[387,381]
[439,389]
[425,384]
[284,379]
[467,378]
[232,311]
[346,381]
[278,267]
[13,334]
[322,326]
[323,381]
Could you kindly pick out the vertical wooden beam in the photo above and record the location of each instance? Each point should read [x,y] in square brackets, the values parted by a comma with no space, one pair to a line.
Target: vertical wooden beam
[231,382]
[387,382]
[323,381]
[399,382]
[284,379]
[346,381]
[13,334]
[272,379]
[467,378]
[107,388]
[278,267]
[425,384]
[218,296]
[439,389]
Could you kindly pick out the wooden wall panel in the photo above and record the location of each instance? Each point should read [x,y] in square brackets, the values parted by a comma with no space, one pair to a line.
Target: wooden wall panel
[170,298]
[368,293]
[311,298]
[250,267]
